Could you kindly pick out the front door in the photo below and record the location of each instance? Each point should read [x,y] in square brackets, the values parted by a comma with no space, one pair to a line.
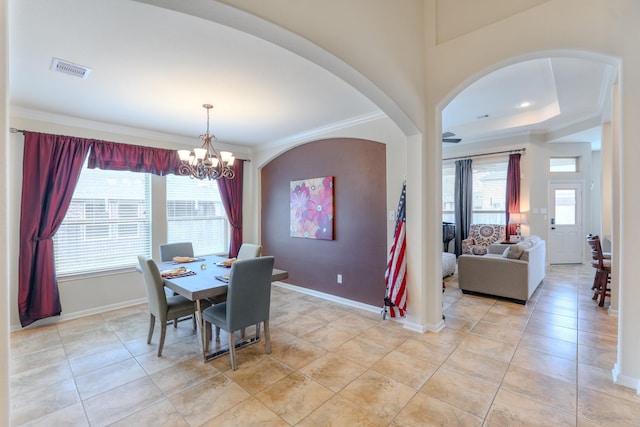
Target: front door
[565,223]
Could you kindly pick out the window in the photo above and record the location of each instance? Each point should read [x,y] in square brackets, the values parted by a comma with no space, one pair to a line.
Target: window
[195,214]
[565,204]
[563,164]
[107,225]
[448,195]
[489,192]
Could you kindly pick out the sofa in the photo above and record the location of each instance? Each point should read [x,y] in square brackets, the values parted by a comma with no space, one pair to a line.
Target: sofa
[481,236]
[511,271]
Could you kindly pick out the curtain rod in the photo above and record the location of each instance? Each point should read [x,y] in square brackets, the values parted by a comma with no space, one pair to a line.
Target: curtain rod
[519,150]
[14,130]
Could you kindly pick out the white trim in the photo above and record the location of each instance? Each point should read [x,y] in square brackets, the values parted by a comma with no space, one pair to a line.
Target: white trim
[329,297]
[333,127]
[77,122]
[370,308]
[427,327]
[625,381]
[78,314]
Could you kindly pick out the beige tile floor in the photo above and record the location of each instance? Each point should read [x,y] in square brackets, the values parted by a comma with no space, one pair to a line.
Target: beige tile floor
[495,364]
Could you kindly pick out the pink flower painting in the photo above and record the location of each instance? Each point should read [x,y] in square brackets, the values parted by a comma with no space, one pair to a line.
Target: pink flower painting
[311,209]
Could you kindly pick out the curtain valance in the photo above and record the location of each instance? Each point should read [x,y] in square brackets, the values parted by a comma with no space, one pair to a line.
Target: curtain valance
[133,158]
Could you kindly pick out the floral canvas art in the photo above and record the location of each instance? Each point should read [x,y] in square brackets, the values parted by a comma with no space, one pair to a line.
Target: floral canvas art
[312,208]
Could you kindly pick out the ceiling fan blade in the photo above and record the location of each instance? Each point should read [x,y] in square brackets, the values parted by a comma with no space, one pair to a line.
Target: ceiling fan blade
[453,140]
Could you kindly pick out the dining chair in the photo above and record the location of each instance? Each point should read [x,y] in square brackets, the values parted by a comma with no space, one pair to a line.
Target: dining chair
[603,270]
[170,250]
[162,307]
[249,250]
[248,302]
[246,251]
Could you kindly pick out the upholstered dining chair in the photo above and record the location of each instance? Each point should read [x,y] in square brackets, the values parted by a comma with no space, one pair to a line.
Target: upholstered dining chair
[248,302]
[170,250]
[249,250]
[162,307]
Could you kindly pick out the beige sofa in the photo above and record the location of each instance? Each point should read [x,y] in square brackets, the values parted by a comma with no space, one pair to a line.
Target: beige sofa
[508,271]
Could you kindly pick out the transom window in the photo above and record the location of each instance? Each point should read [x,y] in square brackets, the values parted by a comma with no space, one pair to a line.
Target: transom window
[563,164]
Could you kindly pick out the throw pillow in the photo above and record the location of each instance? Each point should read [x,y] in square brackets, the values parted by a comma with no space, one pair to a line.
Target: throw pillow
[514,252]
[479,250]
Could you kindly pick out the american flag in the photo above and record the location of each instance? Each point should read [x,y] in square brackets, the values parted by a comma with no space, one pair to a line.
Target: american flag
[396,273]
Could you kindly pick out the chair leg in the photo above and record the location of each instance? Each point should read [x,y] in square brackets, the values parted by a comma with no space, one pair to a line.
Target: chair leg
[267,337]
[597,284]
[163,332]
[603,288]
[194,322]
[175,323]
[217,333]
[152,323]
[232,350]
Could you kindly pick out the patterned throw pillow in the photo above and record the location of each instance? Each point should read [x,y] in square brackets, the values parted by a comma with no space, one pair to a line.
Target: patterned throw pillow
[479,250]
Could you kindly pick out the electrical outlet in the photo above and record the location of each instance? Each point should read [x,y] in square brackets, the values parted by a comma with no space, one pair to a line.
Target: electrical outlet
[339,279]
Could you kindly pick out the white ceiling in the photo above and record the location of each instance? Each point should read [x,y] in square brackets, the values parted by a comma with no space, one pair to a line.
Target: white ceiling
[153,68]
[569,99]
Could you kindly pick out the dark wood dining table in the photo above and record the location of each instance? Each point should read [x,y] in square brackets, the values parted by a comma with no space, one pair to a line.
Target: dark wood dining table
[204,284]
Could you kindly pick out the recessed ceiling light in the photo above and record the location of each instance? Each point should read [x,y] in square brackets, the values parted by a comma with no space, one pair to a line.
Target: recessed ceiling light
[525,104]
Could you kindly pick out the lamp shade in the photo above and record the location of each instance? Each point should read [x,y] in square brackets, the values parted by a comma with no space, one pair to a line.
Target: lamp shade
[517,218]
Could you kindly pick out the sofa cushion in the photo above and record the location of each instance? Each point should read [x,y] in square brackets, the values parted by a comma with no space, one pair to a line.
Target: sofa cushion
[513,252]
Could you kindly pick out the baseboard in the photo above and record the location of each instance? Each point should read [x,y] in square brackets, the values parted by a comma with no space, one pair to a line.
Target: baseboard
[64,317]
[332,298]
[625,381]
[427,327]
[416,327]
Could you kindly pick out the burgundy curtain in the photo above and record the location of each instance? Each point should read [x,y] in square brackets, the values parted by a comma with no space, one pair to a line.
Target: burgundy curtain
[134,158]
[231,195]
[52,166]
[513,191]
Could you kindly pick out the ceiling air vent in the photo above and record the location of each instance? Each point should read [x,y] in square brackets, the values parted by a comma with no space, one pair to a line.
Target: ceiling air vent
[62,66]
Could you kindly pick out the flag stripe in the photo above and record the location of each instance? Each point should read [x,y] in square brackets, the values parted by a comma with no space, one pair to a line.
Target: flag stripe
[395,274]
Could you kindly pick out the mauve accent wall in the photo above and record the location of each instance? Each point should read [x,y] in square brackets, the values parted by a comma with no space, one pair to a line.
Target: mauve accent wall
[358,250]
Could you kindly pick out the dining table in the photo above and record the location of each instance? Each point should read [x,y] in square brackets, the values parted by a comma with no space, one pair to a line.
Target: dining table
[205,277]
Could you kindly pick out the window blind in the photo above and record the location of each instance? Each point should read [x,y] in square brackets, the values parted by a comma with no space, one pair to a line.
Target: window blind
[107,224]
[195,214]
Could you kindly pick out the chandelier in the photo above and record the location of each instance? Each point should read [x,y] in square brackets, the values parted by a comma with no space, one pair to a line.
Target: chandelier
[206,162]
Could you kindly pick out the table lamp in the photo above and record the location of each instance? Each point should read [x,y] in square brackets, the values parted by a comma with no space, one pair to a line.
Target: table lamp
[518,218]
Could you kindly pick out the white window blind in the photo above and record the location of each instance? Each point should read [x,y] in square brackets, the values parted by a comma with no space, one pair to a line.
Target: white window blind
[489,192]
[108,223]
[448,192]
[195,214]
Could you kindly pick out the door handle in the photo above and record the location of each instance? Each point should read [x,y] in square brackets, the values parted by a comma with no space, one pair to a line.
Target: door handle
[553,228]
